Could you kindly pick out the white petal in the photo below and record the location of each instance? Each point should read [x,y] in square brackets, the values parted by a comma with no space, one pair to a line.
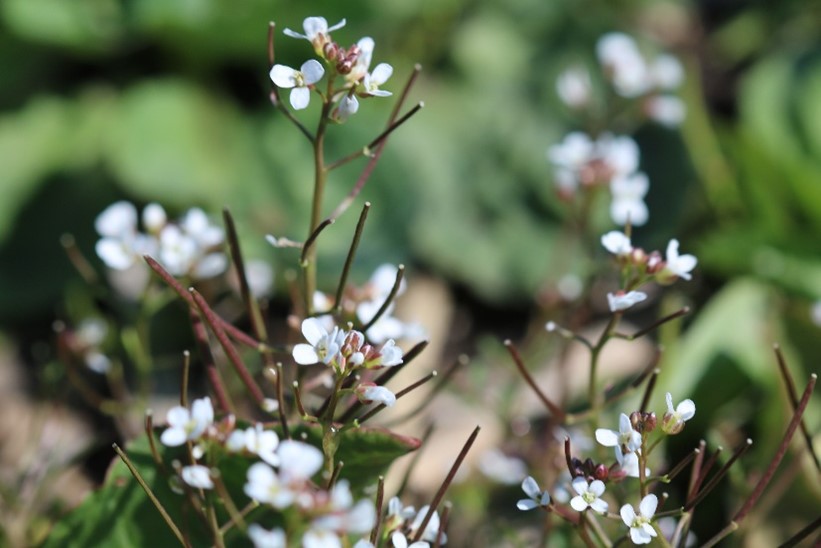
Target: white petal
[314,26]
[628,515]
[647,506]
[578,504]
[313,330]
[178,416]
[381,73]
[669,399]
[115,253]
[597,487]
[608,438]
[197,476]
[173,437]
[154,217]
[634,211]
[283,76]
[617,242]
[686,410]
[599,506]
[300,98]
[312,71]
[530,487]
[299,460]
[305,354]
[294,34]
[209,266]
[337,26]
[526,504]
[579,484]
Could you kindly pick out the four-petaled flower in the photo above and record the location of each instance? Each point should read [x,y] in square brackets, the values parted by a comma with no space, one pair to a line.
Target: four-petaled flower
[308,74]
[679,265]
[641,531]
[589,495]
[185,425]
[374,79]
[197,476]
[674,419]
[537,497]
[626,436]
[324,345]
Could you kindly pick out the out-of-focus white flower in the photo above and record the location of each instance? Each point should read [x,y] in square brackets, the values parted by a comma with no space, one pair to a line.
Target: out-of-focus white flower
[308,74]
[667,110]
[298,461]
[617,243]
[185,425]
[87,338]
[262,538]
[374,79]
[620,154]
[317,32]
[625,436]
[324,346]
[197,476]
[318,538]
[536,497]
[679,265]
[624,63]
[345,517]
[256,440]
[367,392]
[622,301]
[674,418]
[397,514]
[570,287]
[260,277]
[154,218]
[666,72]
[501,468]
[588,495]
[399,540]
[629,463]
[266,487]
[573,86]
[641,531]
[627,205]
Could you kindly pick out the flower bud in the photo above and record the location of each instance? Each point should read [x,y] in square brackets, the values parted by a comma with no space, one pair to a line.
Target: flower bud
[671,424]
[331,51]
[654,263]
[601,472]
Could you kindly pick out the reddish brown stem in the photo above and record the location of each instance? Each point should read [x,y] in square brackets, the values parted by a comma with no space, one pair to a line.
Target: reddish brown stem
[554,409]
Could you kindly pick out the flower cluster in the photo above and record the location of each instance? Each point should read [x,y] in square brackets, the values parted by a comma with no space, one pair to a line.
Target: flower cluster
[639,267]
[189,247]
[632,444]
[613,161]
[351,64]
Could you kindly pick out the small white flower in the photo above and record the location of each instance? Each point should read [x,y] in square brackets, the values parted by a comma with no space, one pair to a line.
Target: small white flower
[262,538]
[629,463]
[390,355]
[624,63]
[374,79]
[324,346]
[197,476]
[318,538]
[617,243]
[622,301]
[667,72]
[573,87]
[316,29]
[298,461]
[399,540]
[620,153]
[628,204]
[674,419]
[262,443]
[626,435]
[432,528]
[667,110]
[679,265]
[536,497]
[185,425]
[641,531]
[286,77]
[370,393]
[265,486]
[589,495]
[348,106]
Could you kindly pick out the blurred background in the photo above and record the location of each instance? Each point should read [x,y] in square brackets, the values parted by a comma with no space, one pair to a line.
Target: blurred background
[167,101]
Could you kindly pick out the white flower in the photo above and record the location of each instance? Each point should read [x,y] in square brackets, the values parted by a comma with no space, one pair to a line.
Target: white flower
[117,220]
[374,79]
[679,265]
[617,243]
[309,73]
[256,440]
[324,346]
[501,468]
[667,72]
[363,59]
[573,87]
[298,461]
[262,538]
[641,531]
[185,425]
[397,514]
[370,393]
[674,419]
[318,538]
[625,64]
[390,355]
[620,153]
[197,476]
[344,516]
[628,204]
[313,27]
[626,435]
[536,497]
[589,496]
[667,110]
[348,106]
[622,301]
[573,152]
[265,486]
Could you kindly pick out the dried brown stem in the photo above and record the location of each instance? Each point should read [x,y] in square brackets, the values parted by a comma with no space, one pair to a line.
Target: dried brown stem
[343,278]
[554,409]
[789,383]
